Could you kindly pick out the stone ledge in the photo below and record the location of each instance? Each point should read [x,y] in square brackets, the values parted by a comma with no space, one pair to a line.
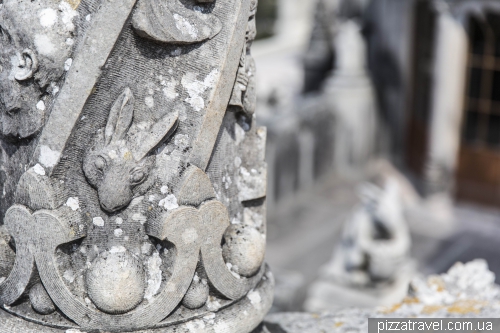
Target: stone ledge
[466,291]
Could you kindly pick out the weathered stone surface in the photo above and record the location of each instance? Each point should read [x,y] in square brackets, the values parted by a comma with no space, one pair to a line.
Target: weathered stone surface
[466,291]
[121,156]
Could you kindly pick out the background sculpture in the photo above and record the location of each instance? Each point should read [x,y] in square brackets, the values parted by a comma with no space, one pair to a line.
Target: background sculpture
[141,201]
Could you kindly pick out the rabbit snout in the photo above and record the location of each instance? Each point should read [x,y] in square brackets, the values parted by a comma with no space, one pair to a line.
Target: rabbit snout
[120,184]
[115,190]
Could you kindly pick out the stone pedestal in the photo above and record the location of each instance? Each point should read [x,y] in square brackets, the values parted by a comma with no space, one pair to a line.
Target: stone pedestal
[350,96]
[134,180]
[467,291]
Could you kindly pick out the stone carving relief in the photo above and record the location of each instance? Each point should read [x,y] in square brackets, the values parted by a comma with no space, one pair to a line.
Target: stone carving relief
[244,96]
[33,57]
[175,22]
[119,219]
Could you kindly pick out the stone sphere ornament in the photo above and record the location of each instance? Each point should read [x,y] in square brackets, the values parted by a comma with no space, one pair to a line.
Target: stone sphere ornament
[118,174]
[40,300]
[197,294]
[116,282]
[244,250]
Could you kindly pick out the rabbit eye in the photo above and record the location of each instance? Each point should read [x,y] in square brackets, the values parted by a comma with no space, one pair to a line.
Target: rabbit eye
[137,177]
[100,163]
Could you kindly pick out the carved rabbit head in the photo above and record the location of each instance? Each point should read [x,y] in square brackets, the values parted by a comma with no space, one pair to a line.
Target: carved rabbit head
[120,161]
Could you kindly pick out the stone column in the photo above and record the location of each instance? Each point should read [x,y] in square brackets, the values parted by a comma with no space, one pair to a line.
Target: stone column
[132,169]
[450,74]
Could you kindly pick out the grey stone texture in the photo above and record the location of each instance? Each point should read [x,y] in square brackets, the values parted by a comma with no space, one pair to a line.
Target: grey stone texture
[133,174]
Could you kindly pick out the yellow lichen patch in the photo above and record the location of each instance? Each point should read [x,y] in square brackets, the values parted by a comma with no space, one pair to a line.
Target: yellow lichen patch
[315,316]
[339,324]
[74,3]
[127,155]
[390,309]
[466,306]
[411,300]
[430,309]
[436,282]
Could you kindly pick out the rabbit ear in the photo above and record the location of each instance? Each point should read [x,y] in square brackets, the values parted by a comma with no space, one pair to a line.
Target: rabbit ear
[120,117]
[145,142]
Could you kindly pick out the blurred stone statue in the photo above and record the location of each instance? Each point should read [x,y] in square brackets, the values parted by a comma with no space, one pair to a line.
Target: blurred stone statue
[376,240]
[371,264]
[336,67]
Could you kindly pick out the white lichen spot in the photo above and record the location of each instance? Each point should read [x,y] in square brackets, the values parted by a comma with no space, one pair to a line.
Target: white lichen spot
[196,88]
[67,64]
[169,91]
[67,15]
[136,201]
[164,189]
[98,221]
[2,279]
[169,203]
[221,327]
[40,106]
[150,102]
[255,298]
[118,232]
[209,318]
[55,88]
[118,249]
[73,203]
[189,236]
[88,18]
[152,198]
[48,157]
[119,220]
[48,17]
[139,218]
[244,172]
[112,154]
[213,304]
[185,26]
[146,248]
[154,276]
[69,276]
[39,170]
[44,45]
[237,161]
[181,141]
[70,41]
[196,326]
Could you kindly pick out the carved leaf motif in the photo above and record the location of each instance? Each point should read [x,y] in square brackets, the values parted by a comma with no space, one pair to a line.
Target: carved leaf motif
[171,22]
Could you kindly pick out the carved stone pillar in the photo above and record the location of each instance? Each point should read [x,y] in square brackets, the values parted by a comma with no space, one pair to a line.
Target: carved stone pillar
[132,169]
